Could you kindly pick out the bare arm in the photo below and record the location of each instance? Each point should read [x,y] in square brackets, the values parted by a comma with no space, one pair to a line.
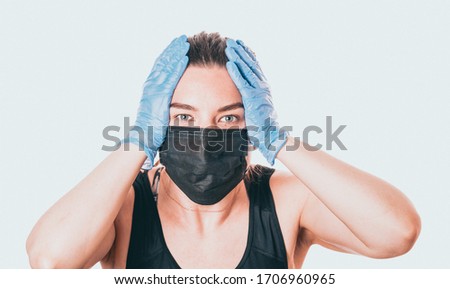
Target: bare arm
[78,229]
[351,210]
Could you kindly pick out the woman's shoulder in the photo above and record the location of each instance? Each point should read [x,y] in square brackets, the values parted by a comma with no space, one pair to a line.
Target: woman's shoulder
[285,180]
[288,190]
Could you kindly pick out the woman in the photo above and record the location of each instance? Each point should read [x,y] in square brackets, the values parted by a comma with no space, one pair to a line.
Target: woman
[208,208]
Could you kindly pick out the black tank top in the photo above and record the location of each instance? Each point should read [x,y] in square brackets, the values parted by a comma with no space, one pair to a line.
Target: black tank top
[265,246]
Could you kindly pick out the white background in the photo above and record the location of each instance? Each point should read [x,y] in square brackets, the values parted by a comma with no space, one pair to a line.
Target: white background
[70,68]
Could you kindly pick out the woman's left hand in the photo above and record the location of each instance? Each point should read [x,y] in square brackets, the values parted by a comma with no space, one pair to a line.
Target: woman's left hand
[260,116]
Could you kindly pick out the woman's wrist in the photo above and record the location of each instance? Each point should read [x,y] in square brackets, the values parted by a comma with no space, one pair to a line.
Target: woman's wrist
[290,142]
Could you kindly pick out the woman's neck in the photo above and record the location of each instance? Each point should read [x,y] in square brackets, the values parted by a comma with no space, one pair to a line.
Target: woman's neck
[171,197]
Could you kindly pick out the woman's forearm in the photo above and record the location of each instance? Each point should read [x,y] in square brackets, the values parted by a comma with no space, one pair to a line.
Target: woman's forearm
[376,212]
[73,228]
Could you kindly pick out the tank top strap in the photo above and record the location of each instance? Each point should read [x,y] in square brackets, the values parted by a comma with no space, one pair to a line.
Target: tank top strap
[261,188]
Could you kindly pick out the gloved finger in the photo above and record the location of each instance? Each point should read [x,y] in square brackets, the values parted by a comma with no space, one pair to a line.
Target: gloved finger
[252,55]
[236,76]
[174,75]
[177,57]
[171,57]
[245,70]
[231,54]
[252,63]
[247,49]
[169,61]
[165,81]
[173,44]
[173,53]
[166,50]
[162,83]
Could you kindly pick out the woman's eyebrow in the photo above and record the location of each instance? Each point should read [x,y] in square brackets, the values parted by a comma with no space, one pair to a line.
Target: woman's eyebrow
[231,107]
[222,109]
[182,106]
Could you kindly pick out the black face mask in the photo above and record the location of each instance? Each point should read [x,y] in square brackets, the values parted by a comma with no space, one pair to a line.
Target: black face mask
[205,163]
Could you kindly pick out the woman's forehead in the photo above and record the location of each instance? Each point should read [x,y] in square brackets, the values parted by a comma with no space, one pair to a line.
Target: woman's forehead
[206,85]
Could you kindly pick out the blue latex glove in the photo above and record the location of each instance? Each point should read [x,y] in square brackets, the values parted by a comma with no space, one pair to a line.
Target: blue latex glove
[260,116]
[152,119]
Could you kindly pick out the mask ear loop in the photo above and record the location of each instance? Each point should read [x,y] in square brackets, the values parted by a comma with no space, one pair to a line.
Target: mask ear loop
[155,183]
[248,172]
[247,177]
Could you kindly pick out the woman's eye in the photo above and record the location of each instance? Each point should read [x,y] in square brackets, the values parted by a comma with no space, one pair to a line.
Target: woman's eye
[183,117]
[229,118]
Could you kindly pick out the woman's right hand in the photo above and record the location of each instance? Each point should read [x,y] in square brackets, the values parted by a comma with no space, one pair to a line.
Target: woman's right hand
[152,119]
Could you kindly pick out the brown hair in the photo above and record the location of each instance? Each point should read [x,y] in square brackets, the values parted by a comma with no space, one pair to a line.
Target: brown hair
[207,49]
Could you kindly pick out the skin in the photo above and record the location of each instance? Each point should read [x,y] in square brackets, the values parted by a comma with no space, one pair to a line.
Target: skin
[319,200]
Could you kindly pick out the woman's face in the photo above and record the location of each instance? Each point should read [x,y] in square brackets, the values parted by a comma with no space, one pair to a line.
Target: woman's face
[207,97]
